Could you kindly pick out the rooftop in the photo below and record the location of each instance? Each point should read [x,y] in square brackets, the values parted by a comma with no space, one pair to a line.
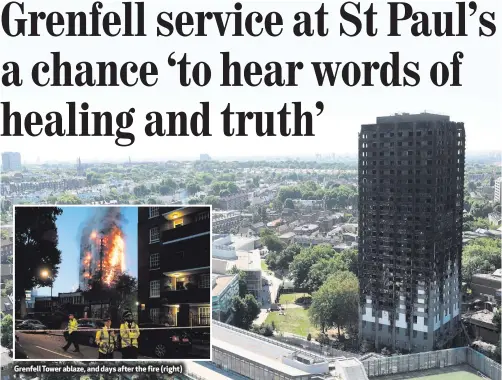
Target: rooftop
[256,350]
[221,283]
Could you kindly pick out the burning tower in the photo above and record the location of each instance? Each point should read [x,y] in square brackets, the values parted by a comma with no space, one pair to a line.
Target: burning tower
[102,248]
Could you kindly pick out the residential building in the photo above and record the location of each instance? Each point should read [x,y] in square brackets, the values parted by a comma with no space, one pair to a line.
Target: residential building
[11,161]
[306,229]
[495,218]
[487,286]
[224,221]
[497,195]
[411,183]
[174,283]
[234,201]
[225,288]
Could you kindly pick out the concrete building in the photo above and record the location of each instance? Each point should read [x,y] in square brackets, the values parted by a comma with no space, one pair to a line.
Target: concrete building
[225,288]
[11,161]
[306,229]
[224,221]
[174,265]
[234,201]
[411,184]
[236,251]
[487,287]
[497,195]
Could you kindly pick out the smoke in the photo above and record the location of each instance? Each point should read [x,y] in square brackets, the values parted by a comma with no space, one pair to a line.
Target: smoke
[105,224]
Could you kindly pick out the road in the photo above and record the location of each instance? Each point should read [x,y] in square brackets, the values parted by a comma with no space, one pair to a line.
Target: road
[48,346]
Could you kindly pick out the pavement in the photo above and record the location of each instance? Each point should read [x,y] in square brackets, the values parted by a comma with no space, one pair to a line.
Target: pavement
[269,295]
[47,346]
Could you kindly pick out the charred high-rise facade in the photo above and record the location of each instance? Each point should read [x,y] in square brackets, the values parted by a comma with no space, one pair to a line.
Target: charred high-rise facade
[411,181]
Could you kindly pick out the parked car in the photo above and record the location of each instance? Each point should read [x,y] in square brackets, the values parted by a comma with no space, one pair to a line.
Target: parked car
[32,325]
[165,343]
[86,332]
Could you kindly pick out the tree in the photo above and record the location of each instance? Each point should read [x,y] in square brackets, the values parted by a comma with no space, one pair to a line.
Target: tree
[270,239]
[288,203]
[36,240]
[7,325]
[281,260]
[480,256]
[68,199]
[336,302]
[245,311]
[7,290]
[125,288]
[243,288]
[303,262]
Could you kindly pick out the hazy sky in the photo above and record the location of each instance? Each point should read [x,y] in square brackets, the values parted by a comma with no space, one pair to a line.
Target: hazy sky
[69,228]
[476,103]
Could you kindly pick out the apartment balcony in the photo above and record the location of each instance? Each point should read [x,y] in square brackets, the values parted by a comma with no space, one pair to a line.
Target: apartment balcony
[186,230]
[190,295]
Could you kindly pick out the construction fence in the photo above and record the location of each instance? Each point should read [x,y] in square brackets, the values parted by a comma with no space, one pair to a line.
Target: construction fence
[433,360]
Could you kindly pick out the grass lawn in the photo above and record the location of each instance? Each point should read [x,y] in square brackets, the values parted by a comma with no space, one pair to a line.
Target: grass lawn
[290,298]
[264,266]
[296,321]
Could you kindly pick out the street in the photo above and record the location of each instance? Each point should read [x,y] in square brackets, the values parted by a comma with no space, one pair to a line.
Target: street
[48,346]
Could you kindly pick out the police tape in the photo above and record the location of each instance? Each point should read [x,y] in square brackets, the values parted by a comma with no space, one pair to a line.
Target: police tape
[117,329]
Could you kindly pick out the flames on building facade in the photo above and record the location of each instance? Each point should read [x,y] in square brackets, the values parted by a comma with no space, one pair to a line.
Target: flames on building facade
[102,248]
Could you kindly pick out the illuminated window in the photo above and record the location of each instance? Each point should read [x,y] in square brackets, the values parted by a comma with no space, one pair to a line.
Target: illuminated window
[178,223]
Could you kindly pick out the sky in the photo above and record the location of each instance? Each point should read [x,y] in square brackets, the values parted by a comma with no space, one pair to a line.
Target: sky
[476,102]
[69,228]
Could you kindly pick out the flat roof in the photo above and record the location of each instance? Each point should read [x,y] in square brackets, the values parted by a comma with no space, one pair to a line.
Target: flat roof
[259,351]
[221,283]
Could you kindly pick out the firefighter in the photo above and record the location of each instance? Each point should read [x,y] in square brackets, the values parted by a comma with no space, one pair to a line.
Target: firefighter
[129,334]
[105,339]
[71,329]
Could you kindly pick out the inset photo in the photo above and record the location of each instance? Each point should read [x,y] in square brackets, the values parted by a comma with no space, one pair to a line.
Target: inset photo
[112,282]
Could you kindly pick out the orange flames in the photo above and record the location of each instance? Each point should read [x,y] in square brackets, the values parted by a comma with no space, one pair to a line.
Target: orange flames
[113,255]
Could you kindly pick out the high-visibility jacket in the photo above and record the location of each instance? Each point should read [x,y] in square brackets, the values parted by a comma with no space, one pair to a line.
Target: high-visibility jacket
[105,341]
[129,334]
[72,326]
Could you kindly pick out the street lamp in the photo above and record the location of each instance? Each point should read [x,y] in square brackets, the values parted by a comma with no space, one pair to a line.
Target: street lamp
[46,275]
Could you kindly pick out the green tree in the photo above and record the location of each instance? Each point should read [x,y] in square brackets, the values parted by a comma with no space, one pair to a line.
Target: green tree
[336,302]
[480,256]
[281,261]
[270,239]
[288,203]
[7,326]
[245,311]
[7,290]
[68,199]
[303,262]
[36,240]
[243,288]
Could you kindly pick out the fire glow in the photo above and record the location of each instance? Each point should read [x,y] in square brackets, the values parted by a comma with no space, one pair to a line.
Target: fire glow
[103,248]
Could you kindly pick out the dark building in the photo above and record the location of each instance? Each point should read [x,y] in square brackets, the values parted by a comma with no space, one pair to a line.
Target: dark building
[174,278]
[411,181]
